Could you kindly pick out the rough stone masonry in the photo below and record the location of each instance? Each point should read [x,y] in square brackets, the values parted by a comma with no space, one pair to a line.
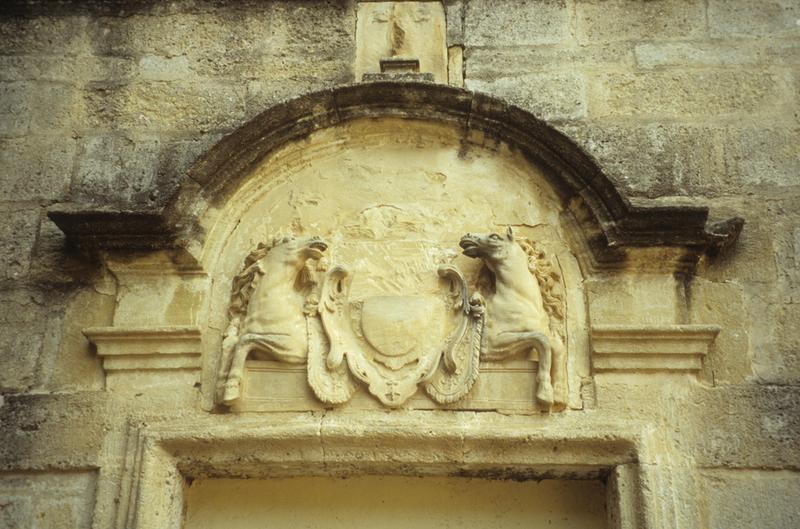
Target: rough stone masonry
[106,104]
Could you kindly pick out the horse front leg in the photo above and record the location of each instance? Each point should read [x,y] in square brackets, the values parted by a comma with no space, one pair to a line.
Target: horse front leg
[544,384]
[232,390]
[559,374]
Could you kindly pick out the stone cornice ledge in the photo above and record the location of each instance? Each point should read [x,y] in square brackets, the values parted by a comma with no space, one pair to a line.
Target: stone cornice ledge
[675,348]
[611,223]
[147,348]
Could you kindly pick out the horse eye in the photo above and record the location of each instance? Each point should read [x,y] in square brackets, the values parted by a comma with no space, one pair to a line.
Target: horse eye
[494,236]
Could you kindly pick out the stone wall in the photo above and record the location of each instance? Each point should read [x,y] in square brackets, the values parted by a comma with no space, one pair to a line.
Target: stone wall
[684,101]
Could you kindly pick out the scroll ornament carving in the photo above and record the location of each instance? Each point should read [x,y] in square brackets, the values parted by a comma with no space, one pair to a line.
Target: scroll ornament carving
[287,305]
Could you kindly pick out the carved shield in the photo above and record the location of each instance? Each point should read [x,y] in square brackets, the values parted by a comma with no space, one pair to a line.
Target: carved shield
[402,328]
[396,343]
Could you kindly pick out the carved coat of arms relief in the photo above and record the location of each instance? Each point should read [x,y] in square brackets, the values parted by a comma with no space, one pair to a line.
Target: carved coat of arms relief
[289,304]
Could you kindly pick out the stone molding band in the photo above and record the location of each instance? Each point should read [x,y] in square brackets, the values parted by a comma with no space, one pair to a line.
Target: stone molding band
[609,221]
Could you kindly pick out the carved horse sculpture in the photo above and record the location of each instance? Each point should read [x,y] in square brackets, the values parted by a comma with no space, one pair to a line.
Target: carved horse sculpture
[267,313]
[517,321]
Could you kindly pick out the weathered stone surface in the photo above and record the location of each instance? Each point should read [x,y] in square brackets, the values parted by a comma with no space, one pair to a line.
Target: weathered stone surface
[22,318]
[454,16]
[517,23]
[15,111]
[134,171]
[548,96]
[53,499]
[764,157]
[752,498]
[488,62]
[656,159]
[36,167]
[727,53]
[684,101]
[742,18]
[64,69]
[42,107]
[17,237]
[723,304]
[747,426]
[599,21]
[687,94]
[160,106]
[63,35]
[65,431]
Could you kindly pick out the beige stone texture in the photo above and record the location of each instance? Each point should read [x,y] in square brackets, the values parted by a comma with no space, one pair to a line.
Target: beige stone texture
[106,105]
[415,31]
[393,502]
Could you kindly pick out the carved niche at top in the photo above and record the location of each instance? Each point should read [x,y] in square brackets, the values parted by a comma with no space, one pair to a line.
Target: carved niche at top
[289,304]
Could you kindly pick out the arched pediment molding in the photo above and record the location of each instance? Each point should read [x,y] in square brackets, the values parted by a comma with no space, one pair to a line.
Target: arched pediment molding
[609,222]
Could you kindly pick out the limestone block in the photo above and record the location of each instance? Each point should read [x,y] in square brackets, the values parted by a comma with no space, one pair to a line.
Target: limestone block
[656,159]
[724,304]
[48,500]
[155,291]
[39,107]
[739,18]
[17,237]
[65,69]
[548,96]
[687,94]
[754,257]
[230,37]
[747,425]
[43,34]
[160,106]
[157,68]
[599,21]
[633,298]
[15,110]
[488,62]
[62,431]
[727,54]
[389,32]
[454,17]
[517,23]
[752,498]
[763,156]
[23,316]
[133,170]
[36,167]
[118,169]
[167,36]
[775,341]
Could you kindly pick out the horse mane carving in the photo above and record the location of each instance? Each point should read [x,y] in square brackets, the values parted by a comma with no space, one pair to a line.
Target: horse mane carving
[548,275]
[243,284]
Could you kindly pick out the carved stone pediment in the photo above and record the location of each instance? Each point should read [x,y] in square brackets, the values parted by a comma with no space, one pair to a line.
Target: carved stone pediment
[373,302]
[289,305]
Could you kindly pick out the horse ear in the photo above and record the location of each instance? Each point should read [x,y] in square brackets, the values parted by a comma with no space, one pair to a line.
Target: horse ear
[510,234]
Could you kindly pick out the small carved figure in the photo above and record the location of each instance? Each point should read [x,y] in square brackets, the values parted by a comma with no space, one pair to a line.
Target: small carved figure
[517,319]
[267,310]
